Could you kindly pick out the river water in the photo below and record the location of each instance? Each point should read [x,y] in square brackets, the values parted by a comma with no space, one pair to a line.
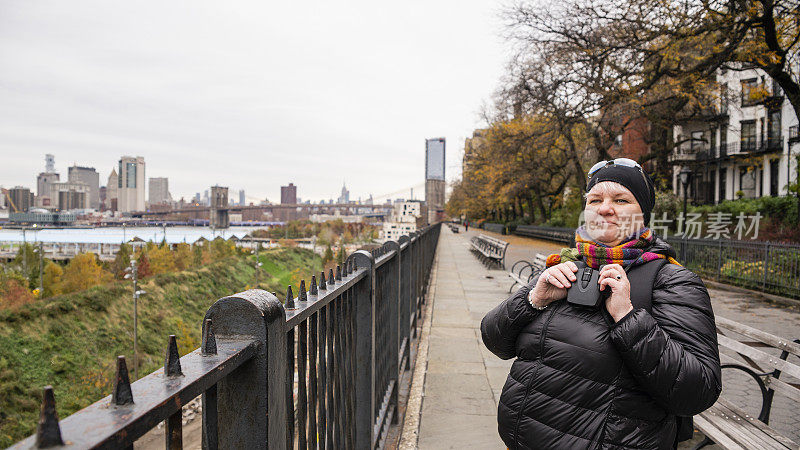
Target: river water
[116,235]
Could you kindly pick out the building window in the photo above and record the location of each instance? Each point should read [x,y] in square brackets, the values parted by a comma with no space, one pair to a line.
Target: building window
[131,175]
[773,176]
[698,141]
[723,176]
[774,130]
[748,142]
[747,182]
[750,94]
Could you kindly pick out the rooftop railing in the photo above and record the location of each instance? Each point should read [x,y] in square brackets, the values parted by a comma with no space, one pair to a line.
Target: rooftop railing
[320,370]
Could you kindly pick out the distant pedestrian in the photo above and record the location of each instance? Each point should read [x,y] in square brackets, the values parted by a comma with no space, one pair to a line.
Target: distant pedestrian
[628,373]
[466,225]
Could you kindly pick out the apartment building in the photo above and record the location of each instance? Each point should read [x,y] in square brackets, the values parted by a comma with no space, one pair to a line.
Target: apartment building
[741,146]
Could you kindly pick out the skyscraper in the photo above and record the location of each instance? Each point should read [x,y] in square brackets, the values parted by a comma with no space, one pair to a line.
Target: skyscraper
[21,199]
[44,187]
[289,194]
[112,190]
[345,197]
[434,178]
[242,199]
[44,182]
[71,195]
[158,191]
[89,176]
[131,184]
[49,163]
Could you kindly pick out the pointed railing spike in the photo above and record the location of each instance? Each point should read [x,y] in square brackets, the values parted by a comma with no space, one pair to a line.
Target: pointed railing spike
[289,299]
[208,344]
[172,361]
[331,277]
[122,394]
[322,284]
[314,285]
[338,273]
[48,433]
[302,296]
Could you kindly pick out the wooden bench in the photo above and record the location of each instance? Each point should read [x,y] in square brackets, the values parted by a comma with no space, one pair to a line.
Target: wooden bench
[489,250]
[726,424]
[522,272]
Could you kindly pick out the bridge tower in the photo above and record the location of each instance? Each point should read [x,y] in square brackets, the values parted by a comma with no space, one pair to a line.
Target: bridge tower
[219,208]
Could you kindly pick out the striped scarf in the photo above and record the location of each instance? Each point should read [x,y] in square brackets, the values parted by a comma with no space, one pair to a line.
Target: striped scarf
[630,252]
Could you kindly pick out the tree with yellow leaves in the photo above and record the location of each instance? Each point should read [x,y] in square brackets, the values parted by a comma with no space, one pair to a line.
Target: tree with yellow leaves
[51,280]
[161,260]
[83,272]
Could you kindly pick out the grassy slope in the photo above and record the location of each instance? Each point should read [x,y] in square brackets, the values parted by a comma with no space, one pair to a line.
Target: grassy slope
[71,341]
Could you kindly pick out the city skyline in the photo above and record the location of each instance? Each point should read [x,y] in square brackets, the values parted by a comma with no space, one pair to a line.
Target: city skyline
[248,95]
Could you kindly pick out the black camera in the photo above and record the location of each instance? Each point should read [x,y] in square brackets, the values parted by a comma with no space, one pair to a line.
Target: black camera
[585,291]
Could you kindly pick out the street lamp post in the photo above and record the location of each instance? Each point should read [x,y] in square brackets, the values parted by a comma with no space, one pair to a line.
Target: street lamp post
[41,269]
[25,256]
[132,274]
[258,263]
[685,176]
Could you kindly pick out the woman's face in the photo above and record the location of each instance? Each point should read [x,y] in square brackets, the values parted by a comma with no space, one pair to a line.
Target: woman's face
[612,213]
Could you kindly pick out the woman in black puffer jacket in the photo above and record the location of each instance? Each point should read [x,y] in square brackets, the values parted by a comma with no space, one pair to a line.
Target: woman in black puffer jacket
[617,376]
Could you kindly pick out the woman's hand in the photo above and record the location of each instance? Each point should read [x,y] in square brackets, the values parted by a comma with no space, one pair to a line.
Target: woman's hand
[553,283]
[618,304]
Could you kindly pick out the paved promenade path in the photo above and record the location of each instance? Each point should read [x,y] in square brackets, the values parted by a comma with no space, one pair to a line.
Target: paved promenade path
[463,379]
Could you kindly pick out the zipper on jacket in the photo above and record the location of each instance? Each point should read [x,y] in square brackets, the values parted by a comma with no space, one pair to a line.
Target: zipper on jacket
[533,376]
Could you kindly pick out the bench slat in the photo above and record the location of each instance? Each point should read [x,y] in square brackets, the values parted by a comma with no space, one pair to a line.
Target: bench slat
[781,386]
[715,433]
[756,428]
[775,341]
[759,356]
[724,420]
[714,426]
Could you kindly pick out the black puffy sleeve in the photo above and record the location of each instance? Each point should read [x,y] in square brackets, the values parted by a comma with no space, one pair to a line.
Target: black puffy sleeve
[501,326]
[672,352]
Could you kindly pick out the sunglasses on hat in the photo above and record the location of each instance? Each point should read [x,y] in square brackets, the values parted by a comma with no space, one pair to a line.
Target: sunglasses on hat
[625,162]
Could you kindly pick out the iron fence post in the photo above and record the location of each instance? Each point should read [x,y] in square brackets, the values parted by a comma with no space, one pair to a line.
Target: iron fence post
[251,401]
[719,261]
[392,297]
[405,308]
[766,265]
[364,336]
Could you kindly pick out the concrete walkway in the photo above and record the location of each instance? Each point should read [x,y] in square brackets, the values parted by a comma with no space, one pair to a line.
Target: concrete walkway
[463,380]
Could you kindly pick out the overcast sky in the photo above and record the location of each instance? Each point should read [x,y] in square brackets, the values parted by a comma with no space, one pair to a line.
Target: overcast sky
[245,94]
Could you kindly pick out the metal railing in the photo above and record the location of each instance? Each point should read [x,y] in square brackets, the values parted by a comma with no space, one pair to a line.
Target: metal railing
[743,147]
[321,370]
[765,266]
[498,228]
[557,234]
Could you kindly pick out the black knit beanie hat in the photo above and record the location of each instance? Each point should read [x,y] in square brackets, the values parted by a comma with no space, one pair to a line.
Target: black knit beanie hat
[636,180]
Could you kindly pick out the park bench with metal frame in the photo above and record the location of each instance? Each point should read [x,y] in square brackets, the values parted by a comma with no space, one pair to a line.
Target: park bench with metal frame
[453,227]
[489,250]
[523,272]
[726,424]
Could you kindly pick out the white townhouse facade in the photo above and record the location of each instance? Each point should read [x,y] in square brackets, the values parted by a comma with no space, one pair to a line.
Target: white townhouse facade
[744,146]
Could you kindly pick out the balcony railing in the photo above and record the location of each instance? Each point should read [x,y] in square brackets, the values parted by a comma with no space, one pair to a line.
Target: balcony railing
[745,147]
[321,370]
